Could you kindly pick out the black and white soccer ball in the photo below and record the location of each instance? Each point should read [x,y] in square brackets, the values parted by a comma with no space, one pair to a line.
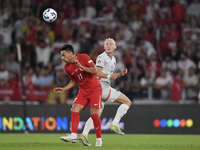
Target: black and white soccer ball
[49,15]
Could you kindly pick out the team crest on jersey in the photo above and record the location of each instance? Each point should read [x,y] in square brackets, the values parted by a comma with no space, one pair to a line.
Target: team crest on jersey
[76,69]
[99,62]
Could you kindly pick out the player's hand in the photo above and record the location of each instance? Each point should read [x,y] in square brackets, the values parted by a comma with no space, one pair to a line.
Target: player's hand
[58,90]
[78,63]
[124,71]
[113,76]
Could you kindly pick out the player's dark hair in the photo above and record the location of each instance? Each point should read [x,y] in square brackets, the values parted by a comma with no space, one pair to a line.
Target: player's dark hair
[67,47]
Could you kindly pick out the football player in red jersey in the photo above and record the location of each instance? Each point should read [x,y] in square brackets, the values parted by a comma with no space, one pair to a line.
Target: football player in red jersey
[81,69]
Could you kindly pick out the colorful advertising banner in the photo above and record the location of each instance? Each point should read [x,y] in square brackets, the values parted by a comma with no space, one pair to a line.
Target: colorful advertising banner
[145,119]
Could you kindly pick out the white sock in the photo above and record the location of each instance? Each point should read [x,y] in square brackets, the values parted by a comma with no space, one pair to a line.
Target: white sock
[121,111]
[74,135]
[88,126]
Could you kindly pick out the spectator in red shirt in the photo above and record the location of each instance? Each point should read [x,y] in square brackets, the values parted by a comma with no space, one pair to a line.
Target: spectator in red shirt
[13,80]
[168,19]
[178,11]
[66,35]
[146,35]
[69,8]
[173,34]
[57,27]
[162,47]
[154,66]
[30,32]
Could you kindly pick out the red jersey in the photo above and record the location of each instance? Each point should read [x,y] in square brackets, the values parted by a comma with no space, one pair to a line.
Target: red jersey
[87,81]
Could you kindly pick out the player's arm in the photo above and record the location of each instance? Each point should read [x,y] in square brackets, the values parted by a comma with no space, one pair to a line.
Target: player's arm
[71,84]
[122,73]
[91,69]
[100,74]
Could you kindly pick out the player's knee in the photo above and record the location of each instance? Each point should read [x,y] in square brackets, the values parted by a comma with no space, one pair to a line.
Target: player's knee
[77,108]
[126,100]
[129,102]
[73,109]
[94,111]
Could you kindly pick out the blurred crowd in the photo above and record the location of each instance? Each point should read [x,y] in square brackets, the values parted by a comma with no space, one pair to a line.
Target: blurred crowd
[157,40]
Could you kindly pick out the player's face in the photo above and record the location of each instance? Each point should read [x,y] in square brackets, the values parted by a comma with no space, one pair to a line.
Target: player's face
[66,57]
[109,46]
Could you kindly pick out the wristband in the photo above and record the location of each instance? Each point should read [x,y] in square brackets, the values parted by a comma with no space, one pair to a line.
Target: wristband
[108,76]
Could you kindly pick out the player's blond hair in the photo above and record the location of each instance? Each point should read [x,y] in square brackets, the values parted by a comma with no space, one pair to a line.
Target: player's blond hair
[109,39]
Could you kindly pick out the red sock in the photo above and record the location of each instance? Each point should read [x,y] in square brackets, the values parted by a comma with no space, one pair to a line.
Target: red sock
[74,122]
[97,125]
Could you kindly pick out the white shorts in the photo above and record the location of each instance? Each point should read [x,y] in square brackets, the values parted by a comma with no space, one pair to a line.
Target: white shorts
[108,93]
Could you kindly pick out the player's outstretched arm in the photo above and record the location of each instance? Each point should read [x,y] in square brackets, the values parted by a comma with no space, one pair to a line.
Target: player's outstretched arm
[122,73]
[71,84]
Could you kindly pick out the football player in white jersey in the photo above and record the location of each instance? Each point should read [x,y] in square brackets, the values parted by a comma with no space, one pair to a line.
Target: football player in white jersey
[105,64]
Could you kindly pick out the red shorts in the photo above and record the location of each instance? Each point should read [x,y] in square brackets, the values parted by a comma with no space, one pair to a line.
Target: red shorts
[94,98]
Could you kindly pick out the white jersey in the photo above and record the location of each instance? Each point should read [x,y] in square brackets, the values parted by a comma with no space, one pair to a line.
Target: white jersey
[107,64]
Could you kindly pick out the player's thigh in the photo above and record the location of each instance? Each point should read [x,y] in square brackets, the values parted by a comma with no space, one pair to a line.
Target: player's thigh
[81,100]
[77,108]
[113,95]
[95,101]
[123,99]
[105,91]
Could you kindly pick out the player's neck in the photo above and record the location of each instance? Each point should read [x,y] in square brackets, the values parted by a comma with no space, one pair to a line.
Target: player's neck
[74,57]
[110,55]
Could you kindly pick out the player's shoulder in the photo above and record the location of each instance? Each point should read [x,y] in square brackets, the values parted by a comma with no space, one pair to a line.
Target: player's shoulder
[82,55]
[102,55]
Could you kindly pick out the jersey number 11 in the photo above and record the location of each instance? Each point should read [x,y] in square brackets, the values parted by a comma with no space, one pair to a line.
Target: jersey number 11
[80,77]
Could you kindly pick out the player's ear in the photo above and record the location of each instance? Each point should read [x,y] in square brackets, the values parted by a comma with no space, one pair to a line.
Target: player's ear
[70,53]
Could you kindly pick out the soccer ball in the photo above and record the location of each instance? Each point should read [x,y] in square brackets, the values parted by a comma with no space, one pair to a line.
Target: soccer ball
[49,15]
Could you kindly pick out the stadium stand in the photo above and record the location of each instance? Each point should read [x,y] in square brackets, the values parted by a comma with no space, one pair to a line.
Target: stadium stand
[152,36]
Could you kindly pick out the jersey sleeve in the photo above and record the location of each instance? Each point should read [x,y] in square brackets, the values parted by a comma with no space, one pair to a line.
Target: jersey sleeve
[88,61]
[99,62]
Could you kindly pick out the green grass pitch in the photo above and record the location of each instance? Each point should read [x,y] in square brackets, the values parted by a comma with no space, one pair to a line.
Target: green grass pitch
[110,142]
